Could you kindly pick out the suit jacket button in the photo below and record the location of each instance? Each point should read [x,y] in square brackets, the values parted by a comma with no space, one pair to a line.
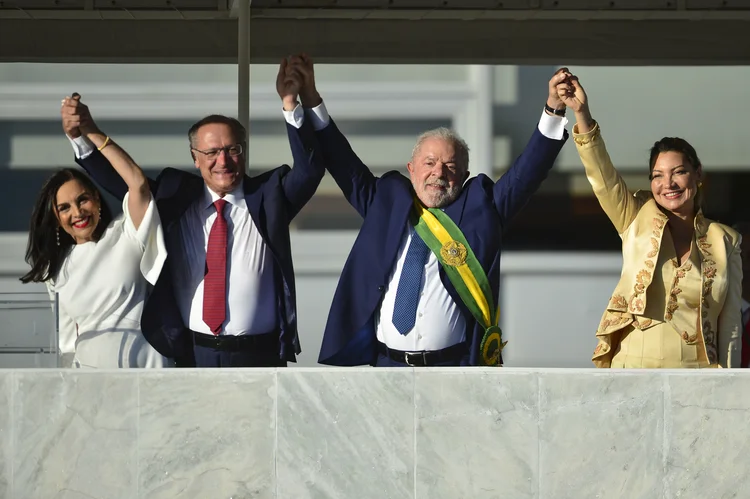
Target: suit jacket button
[381,288]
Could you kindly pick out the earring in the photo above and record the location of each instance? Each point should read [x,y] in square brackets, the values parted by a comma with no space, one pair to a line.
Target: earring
[700,184]
[57,234]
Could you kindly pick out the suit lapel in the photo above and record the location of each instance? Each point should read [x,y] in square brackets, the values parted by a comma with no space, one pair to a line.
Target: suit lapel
[171,208]
[399,222]
[455,210]
[253,199]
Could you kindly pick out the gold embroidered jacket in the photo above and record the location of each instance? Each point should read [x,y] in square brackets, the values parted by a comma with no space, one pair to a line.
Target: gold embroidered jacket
[712,318]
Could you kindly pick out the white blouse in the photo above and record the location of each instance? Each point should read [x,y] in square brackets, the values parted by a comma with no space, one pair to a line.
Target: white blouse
[102,287]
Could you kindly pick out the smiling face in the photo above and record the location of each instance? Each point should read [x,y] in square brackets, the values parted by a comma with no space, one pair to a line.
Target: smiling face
[674,183]
[77,211]
[219,157]
[436,173]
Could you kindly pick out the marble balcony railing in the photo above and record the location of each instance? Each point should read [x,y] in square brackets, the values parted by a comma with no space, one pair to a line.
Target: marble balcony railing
[367,433]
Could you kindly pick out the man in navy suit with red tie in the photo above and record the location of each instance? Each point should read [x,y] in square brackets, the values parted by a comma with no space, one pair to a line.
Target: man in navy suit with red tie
[420,286]
[226,296]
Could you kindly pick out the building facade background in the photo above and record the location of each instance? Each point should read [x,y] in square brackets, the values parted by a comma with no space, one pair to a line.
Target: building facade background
[562,256]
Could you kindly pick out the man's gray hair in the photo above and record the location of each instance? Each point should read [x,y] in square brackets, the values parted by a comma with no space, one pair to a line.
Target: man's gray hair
[447,134]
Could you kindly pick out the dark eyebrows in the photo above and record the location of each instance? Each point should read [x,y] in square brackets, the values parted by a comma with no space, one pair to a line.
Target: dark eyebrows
[655,170]
[79,199]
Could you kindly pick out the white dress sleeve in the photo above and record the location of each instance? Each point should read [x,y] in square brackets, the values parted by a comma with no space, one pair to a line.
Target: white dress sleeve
[66,326]
[150,238]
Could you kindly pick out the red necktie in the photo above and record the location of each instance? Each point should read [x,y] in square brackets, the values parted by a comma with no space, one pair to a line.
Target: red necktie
[215,280]
[745,362]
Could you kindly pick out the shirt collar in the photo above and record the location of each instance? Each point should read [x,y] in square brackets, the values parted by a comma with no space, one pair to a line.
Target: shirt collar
[236,197]
[745,306]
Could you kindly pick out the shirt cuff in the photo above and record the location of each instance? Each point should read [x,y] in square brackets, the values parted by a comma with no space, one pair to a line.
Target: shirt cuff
[295,117]
[82,146]
[319,117]
[552,127]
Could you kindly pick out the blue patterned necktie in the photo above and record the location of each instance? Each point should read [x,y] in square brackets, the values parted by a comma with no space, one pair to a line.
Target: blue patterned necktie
[409,285]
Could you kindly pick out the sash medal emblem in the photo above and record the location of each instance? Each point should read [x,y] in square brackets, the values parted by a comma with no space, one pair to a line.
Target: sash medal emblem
[453,253]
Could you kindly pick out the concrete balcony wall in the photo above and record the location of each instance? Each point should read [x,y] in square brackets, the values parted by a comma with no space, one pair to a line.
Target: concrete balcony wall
[365,433]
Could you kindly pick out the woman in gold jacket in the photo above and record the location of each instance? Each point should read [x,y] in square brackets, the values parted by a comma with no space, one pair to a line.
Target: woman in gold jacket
[678,301]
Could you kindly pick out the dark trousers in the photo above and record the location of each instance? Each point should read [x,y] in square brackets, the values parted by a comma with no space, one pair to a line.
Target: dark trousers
[233,351]
[209,357]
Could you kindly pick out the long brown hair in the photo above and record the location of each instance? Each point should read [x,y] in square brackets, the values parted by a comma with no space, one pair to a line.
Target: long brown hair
[43,252]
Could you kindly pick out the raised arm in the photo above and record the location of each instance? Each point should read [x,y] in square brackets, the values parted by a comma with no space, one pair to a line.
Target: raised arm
[609,187]
[303,180]
[351,175]
[529,170]
[79,120]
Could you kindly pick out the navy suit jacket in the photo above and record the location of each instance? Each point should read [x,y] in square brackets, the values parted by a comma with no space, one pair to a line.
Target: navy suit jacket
[482,211]
[273,199]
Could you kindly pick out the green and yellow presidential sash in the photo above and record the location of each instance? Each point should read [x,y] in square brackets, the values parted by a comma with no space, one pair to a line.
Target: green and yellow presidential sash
[449,245]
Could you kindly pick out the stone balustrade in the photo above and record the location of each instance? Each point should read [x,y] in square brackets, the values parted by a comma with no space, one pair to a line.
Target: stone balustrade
[374,433]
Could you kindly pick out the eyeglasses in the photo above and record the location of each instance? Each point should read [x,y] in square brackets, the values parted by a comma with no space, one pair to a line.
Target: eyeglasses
[233,150]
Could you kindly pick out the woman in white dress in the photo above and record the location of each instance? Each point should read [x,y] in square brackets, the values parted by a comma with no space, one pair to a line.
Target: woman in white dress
[100,267]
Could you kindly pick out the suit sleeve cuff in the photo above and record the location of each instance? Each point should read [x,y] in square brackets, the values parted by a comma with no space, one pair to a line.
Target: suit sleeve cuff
[319,117]
[552,127]
[82,146]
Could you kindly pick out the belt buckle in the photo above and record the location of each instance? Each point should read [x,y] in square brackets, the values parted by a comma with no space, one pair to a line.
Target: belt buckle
[410,363]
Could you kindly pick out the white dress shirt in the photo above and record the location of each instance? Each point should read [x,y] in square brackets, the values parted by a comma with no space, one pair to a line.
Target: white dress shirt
[251,289]
[439,323]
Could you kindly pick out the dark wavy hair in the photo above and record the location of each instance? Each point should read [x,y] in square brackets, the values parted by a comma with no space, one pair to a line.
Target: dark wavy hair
[682,146]
[674,144]
[42,251]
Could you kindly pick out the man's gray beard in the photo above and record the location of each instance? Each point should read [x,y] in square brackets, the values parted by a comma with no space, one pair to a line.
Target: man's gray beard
[447,197]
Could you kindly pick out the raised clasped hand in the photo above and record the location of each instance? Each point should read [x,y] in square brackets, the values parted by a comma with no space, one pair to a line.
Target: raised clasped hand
[76,118]
[572,94]
[288,84]
[560,77]
[303,65]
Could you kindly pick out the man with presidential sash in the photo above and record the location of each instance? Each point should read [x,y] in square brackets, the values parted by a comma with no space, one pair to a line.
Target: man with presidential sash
[421,284]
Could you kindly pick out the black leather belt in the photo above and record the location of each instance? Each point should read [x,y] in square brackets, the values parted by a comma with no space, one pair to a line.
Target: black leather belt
[425,358]
[260,343]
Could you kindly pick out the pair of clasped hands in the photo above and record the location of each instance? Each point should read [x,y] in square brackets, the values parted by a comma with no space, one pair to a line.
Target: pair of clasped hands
[565,91]
[296,79]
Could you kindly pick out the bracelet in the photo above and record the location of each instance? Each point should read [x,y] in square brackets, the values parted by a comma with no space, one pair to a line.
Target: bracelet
[106,143]
[556,112]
